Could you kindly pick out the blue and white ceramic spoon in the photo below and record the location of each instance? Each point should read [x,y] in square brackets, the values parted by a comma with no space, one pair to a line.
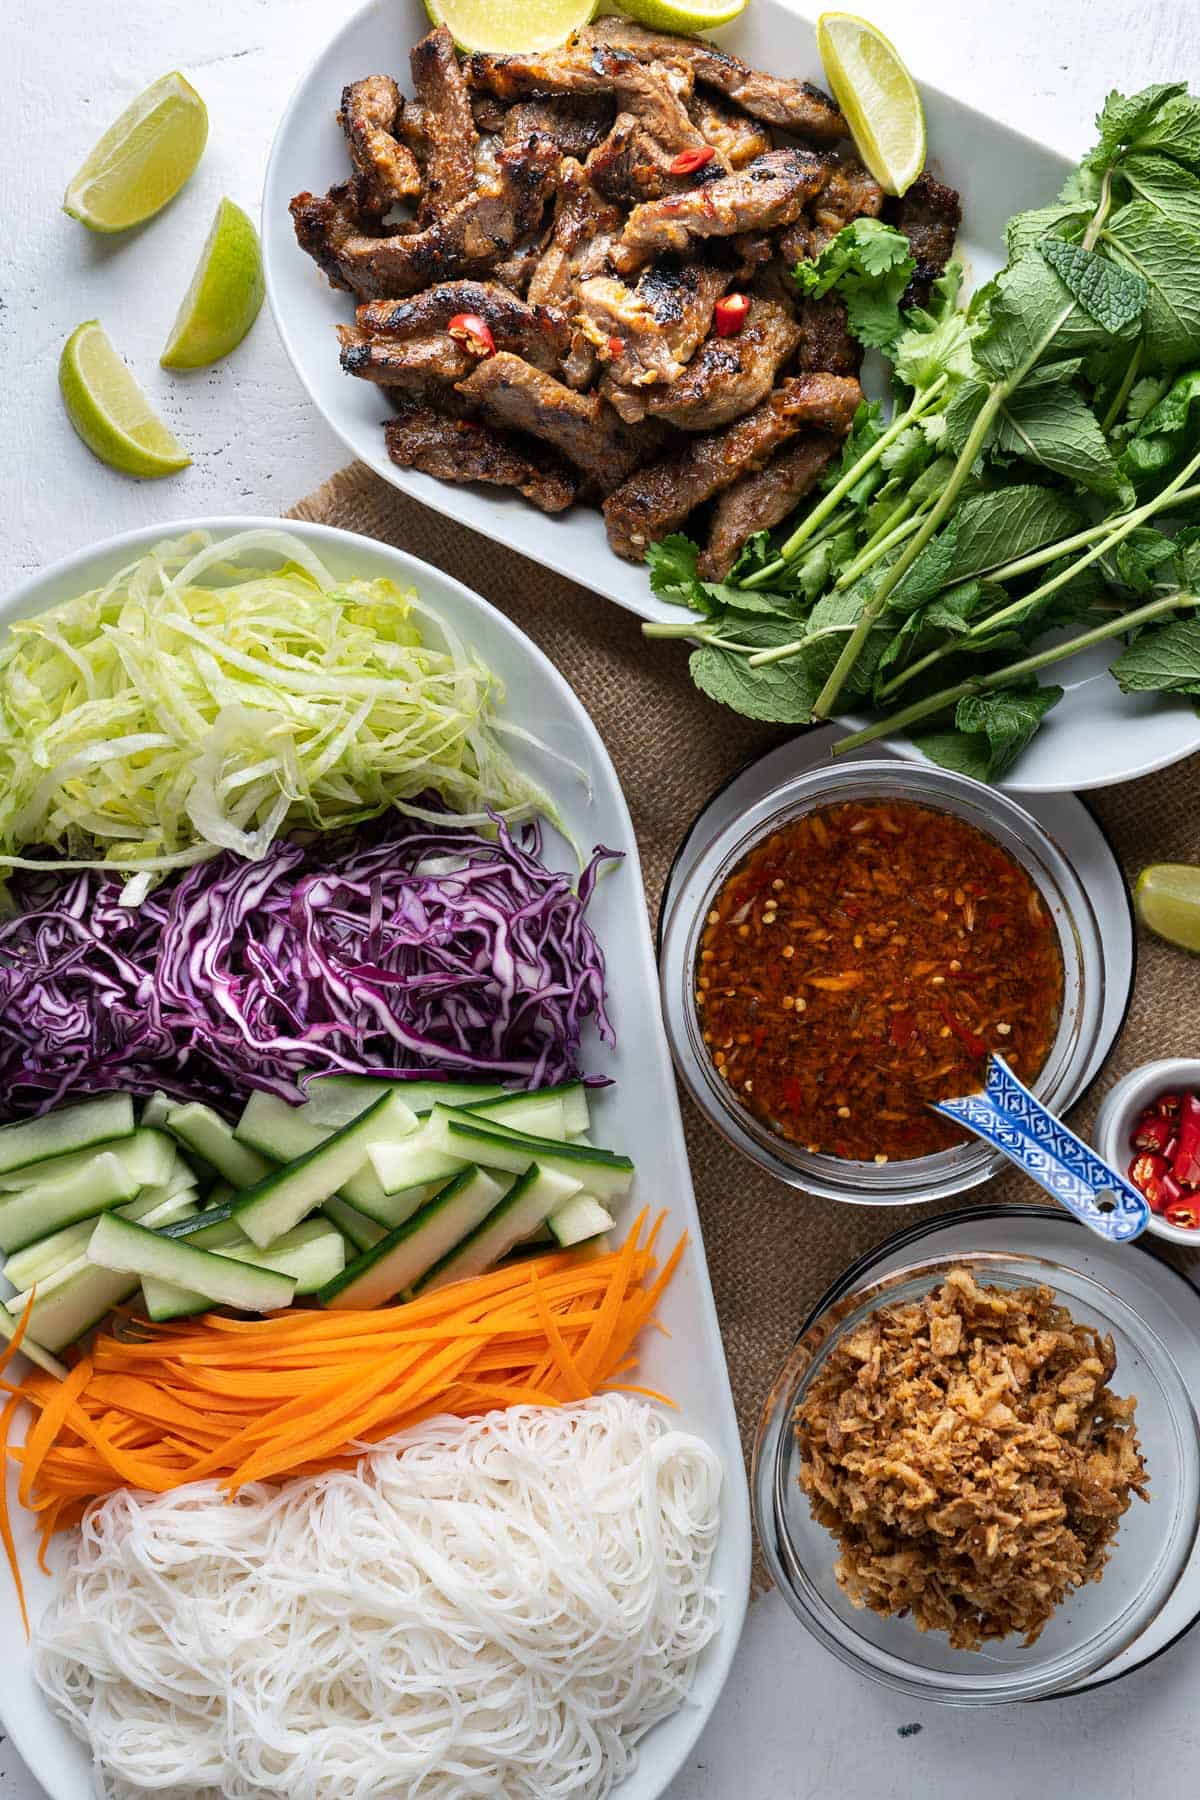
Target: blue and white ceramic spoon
[1007,1116]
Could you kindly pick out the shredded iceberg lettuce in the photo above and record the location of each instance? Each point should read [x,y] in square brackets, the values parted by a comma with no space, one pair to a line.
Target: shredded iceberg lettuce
[203,701]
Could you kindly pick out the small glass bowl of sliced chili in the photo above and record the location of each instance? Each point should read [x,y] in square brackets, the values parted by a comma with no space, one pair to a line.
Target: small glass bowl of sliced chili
[853,947]
[1149,1126]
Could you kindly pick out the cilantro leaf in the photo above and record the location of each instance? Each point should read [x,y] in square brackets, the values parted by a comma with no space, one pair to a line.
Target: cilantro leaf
[673,575]
[870,265]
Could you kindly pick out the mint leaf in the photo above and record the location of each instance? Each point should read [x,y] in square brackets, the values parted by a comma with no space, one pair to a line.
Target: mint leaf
[1175,130]
[1056,427]
[779,693]
[1008,523]
[1125,118]
[1005,721]
[928,574]
[1165,430]
[1166,661]
[1166,256]
[1141,556]
[1033,317]
[1112,296]
[1164,185]
[1025,231]
[954,750]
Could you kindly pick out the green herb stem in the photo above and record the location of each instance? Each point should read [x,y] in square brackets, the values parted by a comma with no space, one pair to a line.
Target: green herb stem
[1123,392]
[1102,538]
[1028,665]
[852,476]
[888,536]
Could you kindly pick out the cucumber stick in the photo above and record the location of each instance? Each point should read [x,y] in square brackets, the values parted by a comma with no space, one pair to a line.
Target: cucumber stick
[175,1209]
[34,1212]
[42,1258]
[425,1157]
[355,1226]
[287,1195]
[406,1253]
[205,1132]
[37,1353]
[283,1134]
[130,1249]
[312,1255]
[533,1198]
[580,1218]
[333,1100]
[72,1128]
[149,1156]
[602,1172]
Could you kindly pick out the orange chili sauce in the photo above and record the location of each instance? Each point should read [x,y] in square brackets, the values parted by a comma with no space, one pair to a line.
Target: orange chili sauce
[861,962]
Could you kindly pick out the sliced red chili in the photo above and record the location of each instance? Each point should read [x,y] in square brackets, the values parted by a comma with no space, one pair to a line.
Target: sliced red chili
[1185,1164]
[1146,1173]
[474,332]
[729,314]
[615,347]
[1168,1105]
[1152,1132]
[1185,1213]
[688,161]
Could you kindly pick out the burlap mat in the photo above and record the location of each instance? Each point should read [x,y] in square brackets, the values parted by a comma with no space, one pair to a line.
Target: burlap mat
[771,1252]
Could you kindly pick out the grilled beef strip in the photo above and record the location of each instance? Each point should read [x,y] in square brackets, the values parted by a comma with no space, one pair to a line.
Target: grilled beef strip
[461,450]
[738,137]
[654,93]
[825,341]
[655,501]
[769,191]
[580,217]
[630,166]
[470,239]
[538,335]
[728,376]
[797,106]
[387,169]
[648,333]
[583,427]
[324,223]
[929,215]
[417,363]
[574,123]
[489,113]
[849,193]
[447,122]
[763,499]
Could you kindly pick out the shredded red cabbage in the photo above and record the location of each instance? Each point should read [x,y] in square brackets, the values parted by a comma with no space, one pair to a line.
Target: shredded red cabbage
[405,947]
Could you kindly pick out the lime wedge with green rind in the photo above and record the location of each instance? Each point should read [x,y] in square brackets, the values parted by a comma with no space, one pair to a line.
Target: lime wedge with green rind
[143,160]
[225,295]
[674,15]
[878,97]
[511,26]
[109,410]
[1167,898]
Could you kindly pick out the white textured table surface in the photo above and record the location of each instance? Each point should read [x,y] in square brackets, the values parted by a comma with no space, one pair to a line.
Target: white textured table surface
[792,1724]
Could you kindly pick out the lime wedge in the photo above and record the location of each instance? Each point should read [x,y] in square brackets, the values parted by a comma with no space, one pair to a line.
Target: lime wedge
[225,295]
[511,26]
[1167,897]
[143,160]
[878,96]
[682,15]
[109,410]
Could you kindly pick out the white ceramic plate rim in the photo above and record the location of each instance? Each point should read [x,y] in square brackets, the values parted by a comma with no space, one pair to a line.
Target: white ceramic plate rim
[1140,733]
[56,1759]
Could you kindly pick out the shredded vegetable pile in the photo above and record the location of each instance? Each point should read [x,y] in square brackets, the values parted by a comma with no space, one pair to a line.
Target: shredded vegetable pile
[239,1401]
[501,1607]
[201,702]
[401,946]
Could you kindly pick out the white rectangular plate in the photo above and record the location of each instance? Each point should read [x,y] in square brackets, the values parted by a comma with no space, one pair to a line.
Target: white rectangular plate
[638,1114]
[1094,737]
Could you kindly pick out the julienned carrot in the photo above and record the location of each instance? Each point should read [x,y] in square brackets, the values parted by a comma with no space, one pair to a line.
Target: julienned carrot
[237,1400]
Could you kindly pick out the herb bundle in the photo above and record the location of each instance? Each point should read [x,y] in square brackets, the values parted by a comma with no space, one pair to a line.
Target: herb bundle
[1037,469]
